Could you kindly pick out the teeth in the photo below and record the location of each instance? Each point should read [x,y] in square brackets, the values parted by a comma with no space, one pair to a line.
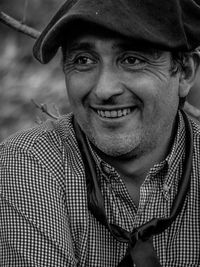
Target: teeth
[114,113]
[107,113]
[101,113]
[119,113]
[124,112]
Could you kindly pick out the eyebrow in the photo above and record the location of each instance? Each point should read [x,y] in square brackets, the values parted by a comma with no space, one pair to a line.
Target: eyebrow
[121,46]
[80,46]
[125,46]
[132,46]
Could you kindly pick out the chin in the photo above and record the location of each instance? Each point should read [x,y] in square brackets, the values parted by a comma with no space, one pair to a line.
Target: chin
[119,152]
[112,144]
[115,146]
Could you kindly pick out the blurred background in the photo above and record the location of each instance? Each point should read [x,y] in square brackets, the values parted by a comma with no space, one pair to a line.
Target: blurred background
[22,78]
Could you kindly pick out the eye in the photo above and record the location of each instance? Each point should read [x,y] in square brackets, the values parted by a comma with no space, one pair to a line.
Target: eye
[80,61]
[133,62]
[84,60]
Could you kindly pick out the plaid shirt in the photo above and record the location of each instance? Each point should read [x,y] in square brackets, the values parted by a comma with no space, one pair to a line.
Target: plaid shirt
[44,218]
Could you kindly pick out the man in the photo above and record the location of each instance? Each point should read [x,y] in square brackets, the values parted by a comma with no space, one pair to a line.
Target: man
[117,182]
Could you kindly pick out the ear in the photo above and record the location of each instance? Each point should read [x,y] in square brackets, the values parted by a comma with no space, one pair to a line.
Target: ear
[188,74]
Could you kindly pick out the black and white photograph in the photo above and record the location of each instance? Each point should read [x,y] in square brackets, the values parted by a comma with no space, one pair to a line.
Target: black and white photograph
[100,133]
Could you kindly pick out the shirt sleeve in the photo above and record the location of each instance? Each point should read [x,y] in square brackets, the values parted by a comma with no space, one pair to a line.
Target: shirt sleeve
[34,227]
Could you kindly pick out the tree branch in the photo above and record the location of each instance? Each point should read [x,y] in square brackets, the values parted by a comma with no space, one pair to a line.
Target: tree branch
[44,109]
[16,25]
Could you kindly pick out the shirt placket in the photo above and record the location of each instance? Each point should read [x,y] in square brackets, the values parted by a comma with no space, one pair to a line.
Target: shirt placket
[153,197]
[119,206]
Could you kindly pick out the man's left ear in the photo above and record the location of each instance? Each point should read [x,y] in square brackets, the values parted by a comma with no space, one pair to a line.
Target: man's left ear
[188,74]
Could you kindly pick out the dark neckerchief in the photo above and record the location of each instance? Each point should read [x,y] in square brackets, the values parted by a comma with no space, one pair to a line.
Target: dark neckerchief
[140,249]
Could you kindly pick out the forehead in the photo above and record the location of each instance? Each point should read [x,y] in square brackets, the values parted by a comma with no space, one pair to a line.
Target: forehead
[96,40]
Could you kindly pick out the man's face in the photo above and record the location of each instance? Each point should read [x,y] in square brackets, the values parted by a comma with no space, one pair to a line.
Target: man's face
[125,100]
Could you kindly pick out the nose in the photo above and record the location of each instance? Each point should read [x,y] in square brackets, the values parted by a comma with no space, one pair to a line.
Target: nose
[108,84]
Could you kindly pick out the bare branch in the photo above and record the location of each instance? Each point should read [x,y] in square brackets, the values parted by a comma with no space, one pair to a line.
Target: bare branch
[56,110]
[15,24]
[44,109]
[38,120]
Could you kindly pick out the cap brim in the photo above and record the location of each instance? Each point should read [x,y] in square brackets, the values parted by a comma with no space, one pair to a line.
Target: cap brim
[148,27]
[49,41]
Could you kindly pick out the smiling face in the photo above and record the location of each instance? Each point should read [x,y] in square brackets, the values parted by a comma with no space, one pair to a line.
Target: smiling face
[125,100]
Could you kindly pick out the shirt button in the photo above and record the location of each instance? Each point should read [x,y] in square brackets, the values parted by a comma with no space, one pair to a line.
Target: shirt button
[166,188]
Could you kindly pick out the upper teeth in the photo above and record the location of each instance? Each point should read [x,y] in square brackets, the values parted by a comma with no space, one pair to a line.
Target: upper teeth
[114,113]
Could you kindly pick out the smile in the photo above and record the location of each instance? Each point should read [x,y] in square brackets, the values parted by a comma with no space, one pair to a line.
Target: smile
[114,113]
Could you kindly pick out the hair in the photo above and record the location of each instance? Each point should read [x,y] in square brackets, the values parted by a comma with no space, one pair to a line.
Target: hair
[179,63]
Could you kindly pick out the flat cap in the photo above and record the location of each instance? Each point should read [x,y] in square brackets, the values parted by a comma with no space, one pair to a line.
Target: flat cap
[167,24]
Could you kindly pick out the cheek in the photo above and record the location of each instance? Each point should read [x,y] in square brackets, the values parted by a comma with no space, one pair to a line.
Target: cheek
[143,87]
[78,86]
[169,95]
[159,94]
